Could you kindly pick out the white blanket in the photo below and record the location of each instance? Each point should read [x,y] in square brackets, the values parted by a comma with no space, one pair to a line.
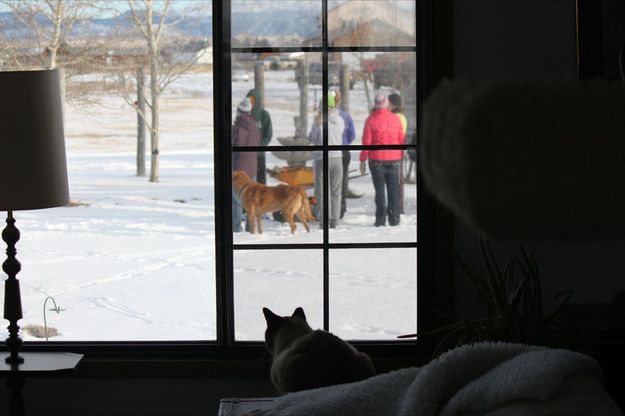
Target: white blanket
[474,378]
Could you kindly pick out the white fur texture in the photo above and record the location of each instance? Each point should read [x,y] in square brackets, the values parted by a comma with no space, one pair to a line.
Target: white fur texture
[467,380]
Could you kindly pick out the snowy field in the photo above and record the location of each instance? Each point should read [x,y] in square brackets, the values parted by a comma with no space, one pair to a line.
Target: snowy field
[133,260]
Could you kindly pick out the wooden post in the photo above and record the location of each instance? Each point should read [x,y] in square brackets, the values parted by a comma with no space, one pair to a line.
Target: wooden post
[140,122]
[259,81]
[302,70]
[259,85]
[344,87]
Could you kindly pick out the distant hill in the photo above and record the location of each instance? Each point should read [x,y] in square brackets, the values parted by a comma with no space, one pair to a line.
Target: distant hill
[257,23]
[270,23]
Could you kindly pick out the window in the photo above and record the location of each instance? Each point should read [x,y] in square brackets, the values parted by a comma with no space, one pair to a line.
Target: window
[353,278]
[120,260]
[153,259]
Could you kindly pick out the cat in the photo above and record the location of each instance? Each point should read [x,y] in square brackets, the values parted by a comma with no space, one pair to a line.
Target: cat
[304,358]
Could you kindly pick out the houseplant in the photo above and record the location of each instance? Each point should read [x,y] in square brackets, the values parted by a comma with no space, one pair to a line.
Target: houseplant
[511,294]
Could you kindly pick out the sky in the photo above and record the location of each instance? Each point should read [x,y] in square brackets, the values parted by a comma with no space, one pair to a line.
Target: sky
[122,5]
[250,5]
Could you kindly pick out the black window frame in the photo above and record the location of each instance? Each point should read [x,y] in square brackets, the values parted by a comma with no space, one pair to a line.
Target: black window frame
[186,357]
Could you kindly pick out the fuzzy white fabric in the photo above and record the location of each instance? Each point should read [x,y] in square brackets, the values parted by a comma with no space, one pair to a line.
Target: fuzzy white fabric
[528,160]
[469,379]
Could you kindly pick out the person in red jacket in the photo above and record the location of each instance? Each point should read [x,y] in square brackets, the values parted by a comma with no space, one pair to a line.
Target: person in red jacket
[383,127]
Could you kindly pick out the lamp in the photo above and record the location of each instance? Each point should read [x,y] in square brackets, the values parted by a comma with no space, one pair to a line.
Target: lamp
[33,171]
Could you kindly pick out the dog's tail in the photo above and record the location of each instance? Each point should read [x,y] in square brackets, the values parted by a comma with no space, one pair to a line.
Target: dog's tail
[306,206]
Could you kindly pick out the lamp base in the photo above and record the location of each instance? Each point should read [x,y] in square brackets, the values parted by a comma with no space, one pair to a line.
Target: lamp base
[12,296]
[14,359]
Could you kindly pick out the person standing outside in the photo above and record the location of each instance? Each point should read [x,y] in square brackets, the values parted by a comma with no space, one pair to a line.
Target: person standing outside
[383,128]
[263,121]
[336,126]
[395,106]
[349,134]
[245,132]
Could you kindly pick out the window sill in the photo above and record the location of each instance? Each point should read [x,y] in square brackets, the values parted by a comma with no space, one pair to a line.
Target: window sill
[203,360]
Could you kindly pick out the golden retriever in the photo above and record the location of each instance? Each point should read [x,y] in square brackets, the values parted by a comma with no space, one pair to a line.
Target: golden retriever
[257,199]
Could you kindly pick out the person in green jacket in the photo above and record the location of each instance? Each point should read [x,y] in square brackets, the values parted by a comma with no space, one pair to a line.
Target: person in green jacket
[263,121]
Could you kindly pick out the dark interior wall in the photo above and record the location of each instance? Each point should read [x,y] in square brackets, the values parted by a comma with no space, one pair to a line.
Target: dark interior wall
[535,40]
[514,39]
[613,36]
[111,396]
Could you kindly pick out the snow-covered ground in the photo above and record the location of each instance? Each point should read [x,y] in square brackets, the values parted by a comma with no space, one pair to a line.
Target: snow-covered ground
[133,260]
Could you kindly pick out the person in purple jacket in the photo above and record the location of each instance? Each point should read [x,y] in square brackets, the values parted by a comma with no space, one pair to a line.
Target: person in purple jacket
[245,132]
[349,134]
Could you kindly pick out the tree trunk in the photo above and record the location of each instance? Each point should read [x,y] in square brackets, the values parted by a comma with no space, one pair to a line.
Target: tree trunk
[365,80]
[140,122]
[344,88]
[61,73]
[152,39]
[154,131]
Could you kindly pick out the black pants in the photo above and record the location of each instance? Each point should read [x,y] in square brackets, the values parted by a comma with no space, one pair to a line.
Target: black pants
[385,176]
[345,188]
[260,169]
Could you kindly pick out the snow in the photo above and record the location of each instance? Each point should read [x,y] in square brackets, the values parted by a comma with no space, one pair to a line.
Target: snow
[134,260]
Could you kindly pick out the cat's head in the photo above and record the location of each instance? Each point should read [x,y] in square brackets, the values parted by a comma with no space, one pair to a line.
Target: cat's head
[282,330]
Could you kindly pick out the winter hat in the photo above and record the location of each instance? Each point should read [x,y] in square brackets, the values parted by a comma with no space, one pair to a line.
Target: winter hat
[331,103]
[245,106]
[380,101]
[395,99]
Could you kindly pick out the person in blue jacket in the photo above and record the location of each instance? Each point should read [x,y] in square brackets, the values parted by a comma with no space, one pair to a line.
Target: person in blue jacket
[349,134]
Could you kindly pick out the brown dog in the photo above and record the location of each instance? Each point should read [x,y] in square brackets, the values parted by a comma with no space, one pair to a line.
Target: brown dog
[257,199]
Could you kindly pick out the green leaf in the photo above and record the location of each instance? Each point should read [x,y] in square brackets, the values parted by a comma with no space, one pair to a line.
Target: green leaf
[494,275]
[475,280]
[567,296]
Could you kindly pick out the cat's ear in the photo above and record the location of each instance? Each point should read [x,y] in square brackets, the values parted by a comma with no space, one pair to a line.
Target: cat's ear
[271,317]
[299,313]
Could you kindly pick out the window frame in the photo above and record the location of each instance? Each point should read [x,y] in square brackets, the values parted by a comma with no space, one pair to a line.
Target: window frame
[198,357]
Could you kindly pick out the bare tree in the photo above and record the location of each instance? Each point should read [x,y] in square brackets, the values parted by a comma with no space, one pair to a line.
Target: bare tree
[41,33]
[149,17]
[48,23]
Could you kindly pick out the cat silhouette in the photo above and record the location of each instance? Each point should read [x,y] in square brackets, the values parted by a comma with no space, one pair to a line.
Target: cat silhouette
[304,358]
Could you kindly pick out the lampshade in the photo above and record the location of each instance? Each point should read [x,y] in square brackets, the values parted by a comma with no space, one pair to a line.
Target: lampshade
[33,170]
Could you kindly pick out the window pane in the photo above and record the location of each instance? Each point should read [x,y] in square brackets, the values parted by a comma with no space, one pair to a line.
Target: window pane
[371,23]
[388,73]
[367,219]
[276,23]
[271,206]
[289,102]
[373,293]
[289,108]
[356,224]
[280,280]
[129,258]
